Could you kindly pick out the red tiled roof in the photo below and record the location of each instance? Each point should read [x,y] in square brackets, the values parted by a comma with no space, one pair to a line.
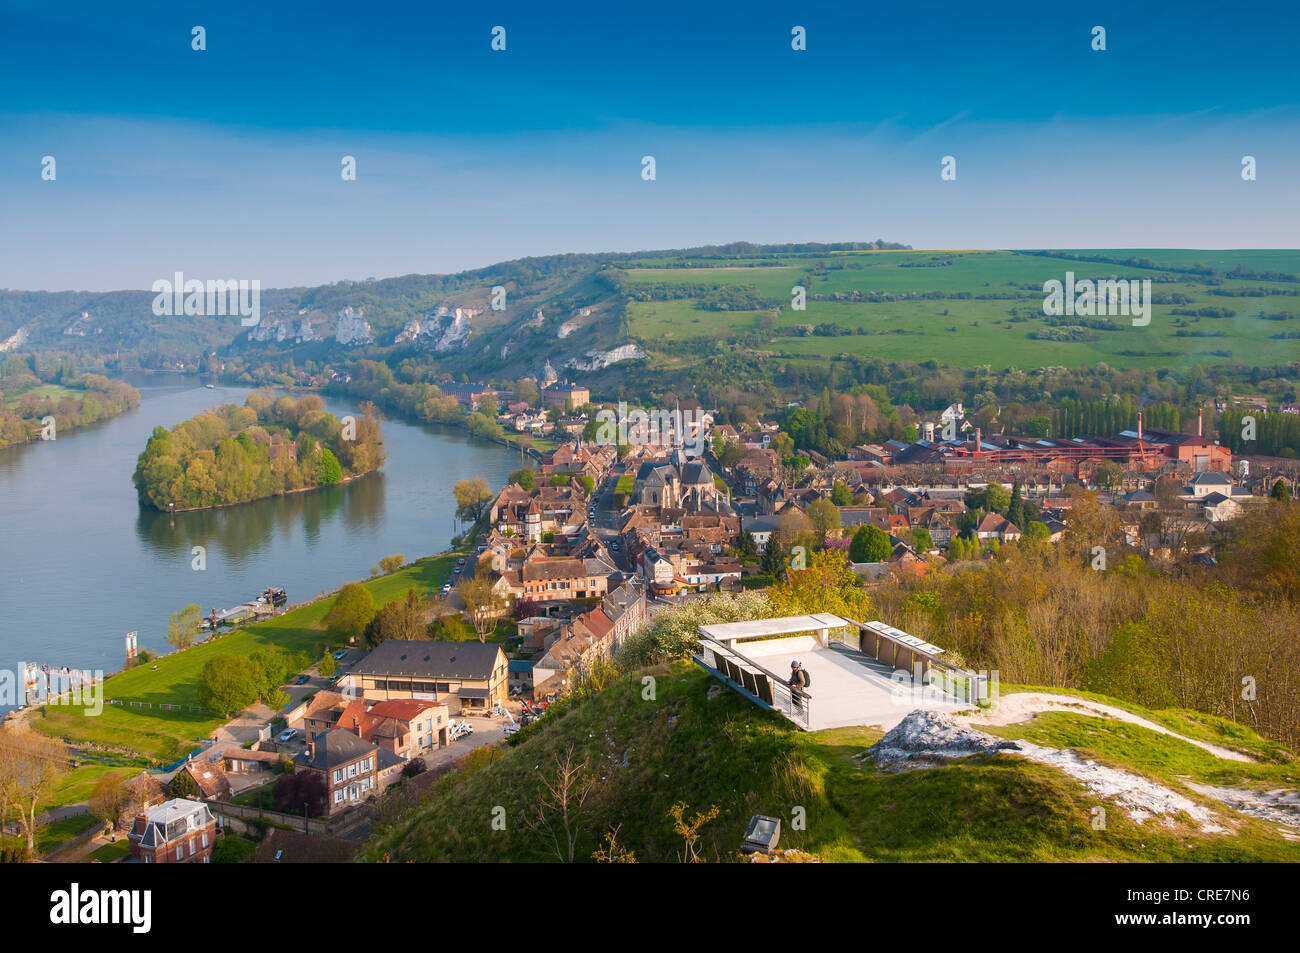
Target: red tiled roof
[597,623]
[403,709]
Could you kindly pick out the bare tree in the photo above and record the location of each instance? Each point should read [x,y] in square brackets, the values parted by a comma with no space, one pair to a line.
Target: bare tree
[30,765]
[109,799]
[482,601]
[560,812]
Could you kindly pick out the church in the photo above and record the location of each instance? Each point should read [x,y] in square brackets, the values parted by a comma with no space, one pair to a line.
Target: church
[678,484]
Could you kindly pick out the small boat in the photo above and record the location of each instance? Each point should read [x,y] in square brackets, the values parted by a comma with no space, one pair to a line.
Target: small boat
[274,597]
[229,616]
[265,604]
[210,386]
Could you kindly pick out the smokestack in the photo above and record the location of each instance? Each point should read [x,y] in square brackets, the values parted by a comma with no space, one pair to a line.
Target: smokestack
[1139,426]
[1200,417]
[979,440]
[356,725]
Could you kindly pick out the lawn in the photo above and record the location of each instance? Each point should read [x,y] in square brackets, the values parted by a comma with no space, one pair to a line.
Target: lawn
[60,832]
[111,853]
[75,786]
[164,736]
[993,304]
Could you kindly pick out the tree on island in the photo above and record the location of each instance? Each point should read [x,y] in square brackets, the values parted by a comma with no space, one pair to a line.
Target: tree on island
[234,454]
[329,472]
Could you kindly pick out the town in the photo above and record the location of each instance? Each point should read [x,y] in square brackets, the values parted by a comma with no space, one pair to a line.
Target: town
[593,538]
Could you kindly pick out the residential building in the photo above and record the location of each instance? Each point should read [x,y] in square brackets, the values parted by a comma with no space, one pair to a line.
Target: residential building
[998,527]
[350,765]
[406,727]
[179,831]
[209,778]
[560,578]
[463,675]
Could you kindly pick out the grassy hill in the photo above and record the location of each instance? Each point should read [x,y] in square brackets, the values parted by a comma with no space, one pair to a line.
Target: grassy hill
[962,308]
[720,751]
[966,308]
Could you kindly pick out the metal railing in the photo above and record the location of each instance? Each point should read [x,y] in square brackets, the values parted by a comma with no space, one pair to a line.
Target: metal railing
[961,684]
[754,681]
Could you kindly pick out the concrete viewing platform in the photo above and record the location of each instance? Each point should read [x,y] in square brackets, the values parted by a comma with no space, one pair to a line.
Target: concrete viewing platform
[848,686]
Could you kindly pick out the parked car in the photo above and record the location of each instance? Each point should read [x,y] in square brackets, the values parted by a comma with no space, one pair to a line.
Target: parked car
[289,735]
[446,588]
[339,654]
[302,679]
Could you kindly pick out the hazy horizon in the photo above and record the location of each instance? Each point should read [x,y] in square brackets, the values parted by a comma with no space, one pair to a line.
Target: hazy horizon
[652,251]
[227,161]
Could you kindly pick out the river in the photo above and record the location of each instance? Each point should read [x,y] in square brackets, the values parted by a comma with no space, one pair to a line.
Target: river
[81,564]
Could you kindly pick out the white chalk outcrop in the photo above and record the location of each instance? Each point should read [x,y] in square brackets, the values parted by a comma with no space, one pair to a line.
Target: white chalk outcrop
[353,329]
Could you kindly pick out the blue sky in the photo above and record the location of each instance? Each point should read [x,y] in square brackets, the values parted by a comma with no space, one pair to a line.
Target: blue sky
[226,162]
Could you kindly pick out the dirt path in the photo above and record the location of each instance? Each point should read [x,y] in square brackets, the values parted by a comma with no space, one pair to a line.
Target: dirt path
[1021,706]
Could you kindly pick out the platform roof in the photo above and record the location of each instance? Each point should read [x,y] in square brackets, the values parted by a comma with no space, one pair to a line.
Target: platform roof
[766,628]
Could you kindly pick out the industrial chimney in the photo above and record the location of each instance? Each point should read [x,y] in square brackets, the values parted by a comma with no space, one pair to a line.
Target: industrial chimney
[1139,426]
[1200,417]
[979,441]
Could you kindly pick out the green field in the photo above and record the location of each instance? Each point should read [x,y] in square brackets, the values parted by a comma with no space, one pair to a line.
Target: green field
[167,735]
[972,330]
[54,392]
[723,752]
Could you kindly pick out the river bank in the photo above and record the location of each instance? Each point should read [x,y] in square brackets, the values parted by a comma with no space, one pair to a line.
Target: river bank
[352,478]
[152,711]
[84,564]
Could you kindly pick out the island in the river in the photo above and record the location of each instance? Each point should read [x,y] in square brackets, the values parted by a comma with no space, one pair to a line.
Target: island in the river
[40,402]
[268,447]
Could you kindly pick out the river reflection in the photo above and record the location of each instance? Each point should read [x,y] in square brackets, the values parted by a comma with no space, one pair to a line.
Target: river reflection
[248,528]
